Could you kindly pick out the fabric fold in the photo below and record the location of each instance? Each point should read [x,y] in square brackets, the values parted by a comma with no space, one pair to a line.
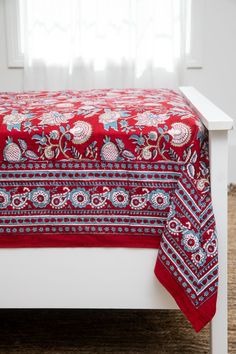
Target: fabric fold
[187,263]
[198,317]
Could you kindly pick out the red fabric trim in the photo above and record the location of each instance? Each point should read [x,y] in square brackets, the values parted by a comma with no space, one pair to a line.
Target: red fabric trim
[198,317]
[78,240]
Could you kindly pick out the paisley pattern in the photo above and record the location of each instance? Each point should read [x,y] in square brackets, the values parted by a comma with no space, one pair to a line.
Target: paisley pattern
[125,168]
[59,200]
[139,201]
[199,258]
[19,201]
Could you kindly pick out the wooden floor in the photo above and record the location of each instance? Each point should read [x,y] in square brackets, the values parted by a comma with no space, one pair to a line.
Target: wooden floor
[87,331]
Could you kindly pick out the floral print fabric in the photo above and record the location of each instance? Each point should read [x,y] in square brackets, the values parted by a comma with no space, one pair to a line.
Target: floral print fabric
[110,125]
[112,168]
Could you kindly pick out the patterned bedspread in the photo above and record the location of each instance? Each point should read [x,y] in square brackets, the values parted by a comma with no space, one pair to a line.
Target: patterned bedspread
[125,168]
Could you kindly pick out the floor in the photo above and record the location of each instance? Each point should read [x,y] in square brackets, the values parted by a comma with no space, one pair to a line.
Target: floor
[80,331]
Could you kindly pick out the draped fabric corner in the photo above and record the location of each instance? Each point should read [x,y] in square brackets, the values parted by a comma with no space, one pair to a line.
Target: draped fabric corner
[193,284]
[101,44]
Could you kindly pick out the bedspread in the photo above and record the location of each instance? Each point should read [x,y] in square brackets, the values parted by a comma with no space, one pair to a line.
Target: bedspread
[125,168]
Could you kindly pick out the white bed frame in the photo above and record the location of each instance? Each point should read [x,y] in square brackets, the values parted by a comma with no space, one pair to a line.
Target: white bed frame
[119,278]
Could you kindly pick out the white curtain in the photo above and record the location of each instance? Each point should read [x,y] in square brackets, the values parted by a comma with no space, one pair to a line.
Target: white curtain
[80,44]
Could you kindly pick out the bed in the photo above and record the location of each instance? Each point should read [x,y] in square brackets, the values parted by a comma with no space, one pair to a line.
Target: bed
[106,271]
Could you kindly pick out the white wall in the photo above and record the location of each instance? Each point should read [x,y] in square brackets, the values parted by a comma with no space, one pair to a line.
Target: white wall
[217,79]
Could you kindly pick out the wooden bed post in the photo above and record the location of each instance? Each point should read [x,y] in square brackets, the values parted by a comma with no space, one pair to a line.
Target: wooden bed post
[218,141]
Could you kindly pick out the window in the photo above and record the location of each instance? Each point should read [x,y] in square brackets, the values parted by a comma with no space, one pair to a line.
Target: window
[193,30]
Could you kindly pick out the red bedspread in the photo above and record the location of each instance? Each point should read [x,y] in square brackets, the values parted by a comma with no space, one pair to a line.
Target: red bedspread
[124,168]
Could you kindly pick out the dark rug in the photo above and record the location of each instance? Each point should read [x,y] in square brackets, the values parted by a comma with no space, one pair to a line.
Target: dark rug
[115,331]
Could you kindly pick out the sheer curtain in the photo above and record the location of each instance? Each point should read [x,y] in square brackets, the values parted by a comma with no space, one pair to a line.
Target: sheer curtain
[80,44]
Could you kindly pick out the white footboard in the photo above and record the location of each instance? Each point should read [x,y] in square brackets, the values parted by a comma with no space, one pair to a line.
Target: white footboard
[81,278]
[218,124]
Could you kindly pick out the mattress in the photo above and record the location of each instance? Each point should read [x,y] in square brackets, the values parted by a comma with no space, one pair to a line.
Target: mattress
[112,168]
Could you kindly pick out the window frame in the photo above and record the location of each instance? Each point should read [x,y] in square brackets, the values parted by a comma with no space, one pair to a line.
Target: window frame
[194,23]
[15,58]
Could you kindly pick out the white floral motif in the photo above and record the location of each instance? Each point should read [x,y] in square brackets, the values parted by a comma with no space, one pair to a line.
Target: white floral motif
[119,197]
[190,241]
[150,119]
[82,132]
[180,133]
[159,199]
[55,118]
[109,119]
[4,198]
[202,183]
[64,105]
[14,120]
[80,198]
[40,197]
[146,153]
